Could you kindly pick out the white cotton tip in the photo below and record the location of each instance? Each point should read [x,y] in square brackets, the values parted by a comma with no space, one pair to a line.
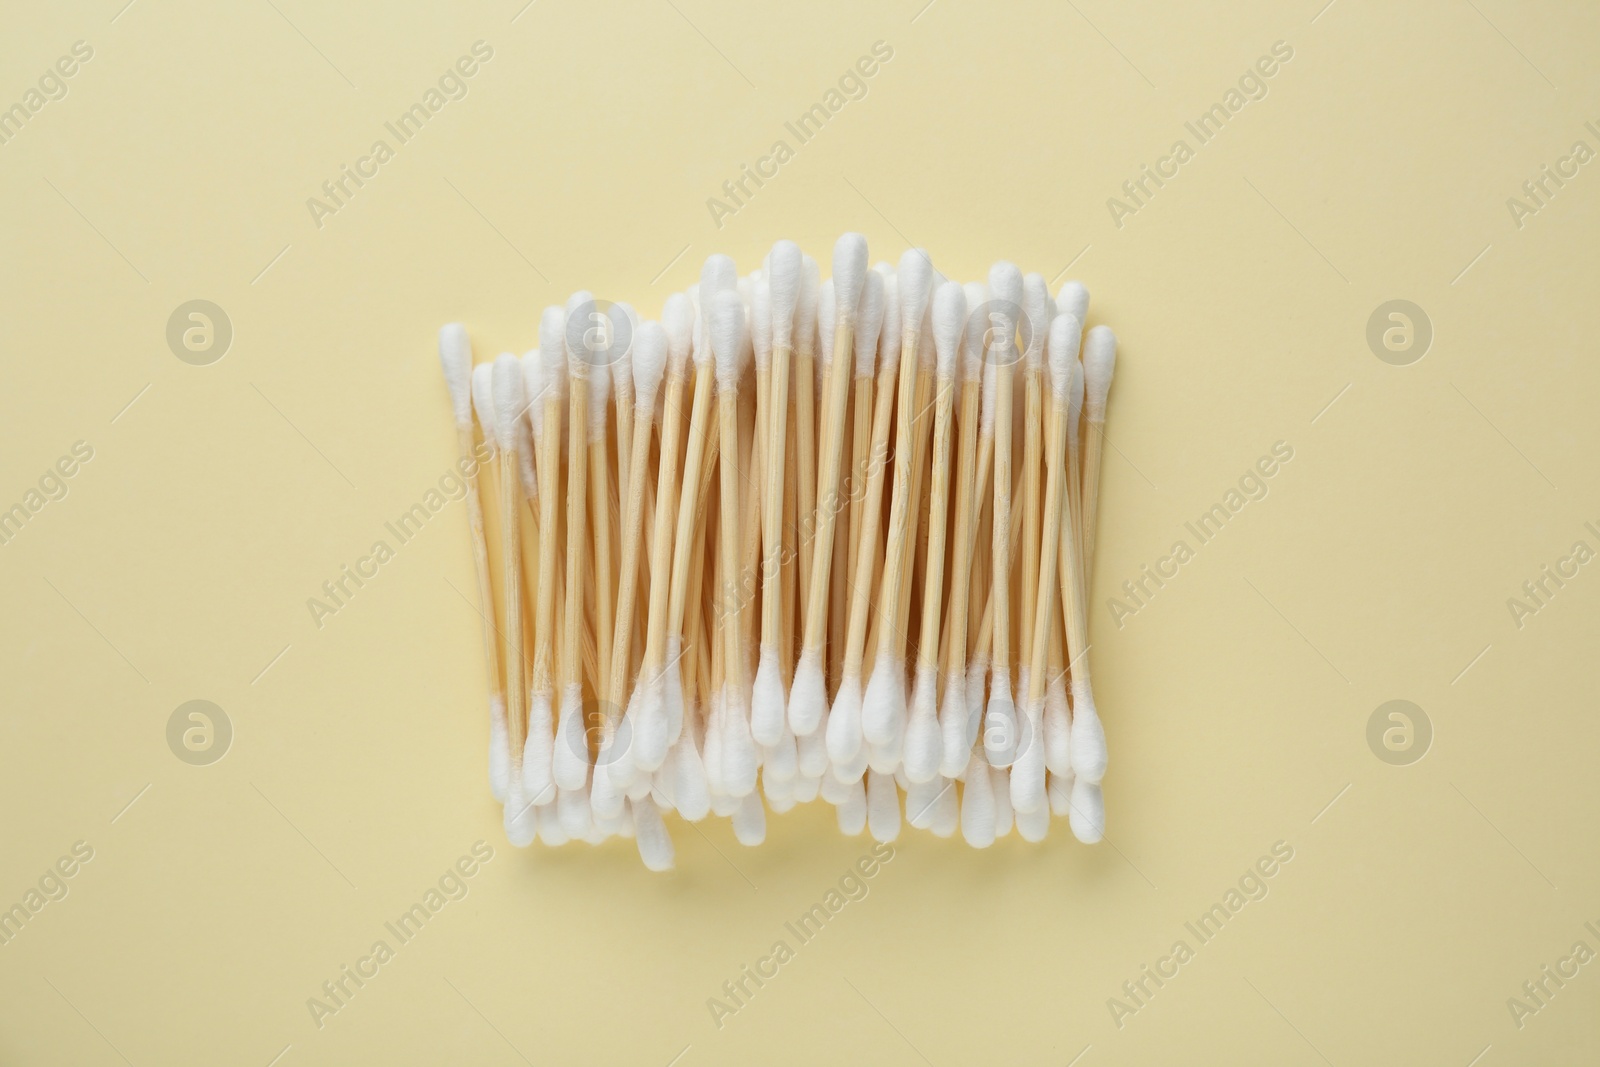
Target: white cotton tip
[728,336]
[785,276]
[1099,361]
[1035,316]
[650,834]
[606,797]
[761,323]
[856,765]
[672,698]
[572,805]
[806,787]
[750,821]
[869,320]
[677,320]
[886,757]
[640,787]
[852,808]
[739,758]
[1000,783]
[499,749]
[508,402]
[649,363]
[1064,334]
[1057,729]
[768,708]
[977,804]
[711,748]
[551,832]
[844,723]
[849,271]
[599,401]
[1034,826]
[723,806]
[778,792]
[717,273]
[883,806]
[946,809]
[553,349]
[576,333]
[885,699]
[483,402]
[521,818]
[1074,400]
[949,322]
[811,754]
[622,338]
[619,754]
[1005,288]
[690,794]
[808,697]
[533,390]
[922,799]
[647,715]
[954,746]
[1027,773]
[916,286]
[569,764]
[455,356]
[889,332]
[1059,790]
[975,333]
[805,309]
[538,749]
[1087,815]
[924,748]
[1001,724]
[835,790]
[1073,299]
[827,313]
[780,761]
[1088,736]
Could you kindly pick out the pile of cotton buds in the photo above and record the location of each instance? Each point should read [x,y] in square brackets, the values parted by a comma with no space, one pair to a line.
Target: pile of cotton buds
[795,539]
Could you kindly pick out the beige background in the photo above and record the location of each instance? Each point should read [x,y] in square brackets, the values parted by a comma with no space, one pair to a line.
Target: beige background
[1419,499]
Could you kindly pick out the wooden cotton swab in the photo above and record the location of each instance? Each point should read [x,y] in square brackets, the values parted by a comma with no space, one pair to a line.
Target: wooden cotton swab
[508,408]
[659,718]
[808,697]
[728,332]
[548,404]
[1000,718]
[1088,735]
[804,422]
[924,748]
[1027,774]
[955,715]
[883,708]
[455,357]
[1036,323]
[768,701]
[570,765]
[845,739]
[1099,364]
[649,358]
